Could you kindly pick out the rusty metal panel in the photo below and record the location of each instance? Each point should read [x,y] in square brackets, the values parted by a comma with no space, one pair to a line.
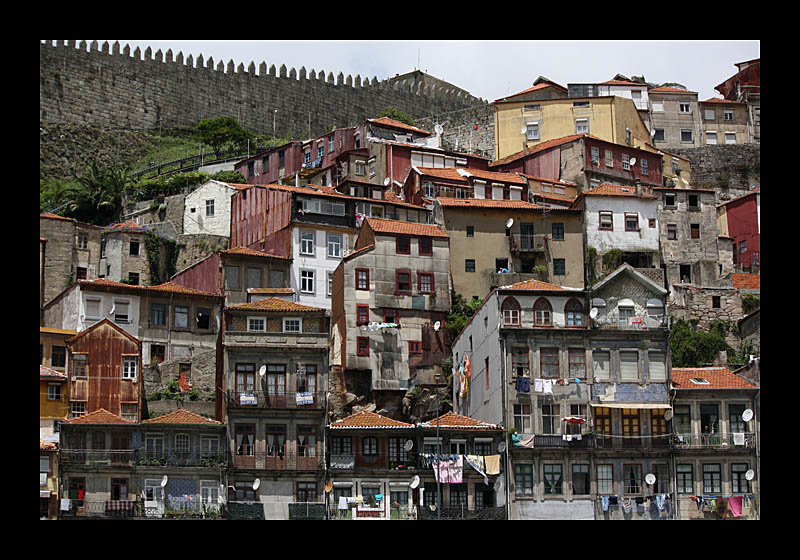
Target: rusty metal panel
[204,276]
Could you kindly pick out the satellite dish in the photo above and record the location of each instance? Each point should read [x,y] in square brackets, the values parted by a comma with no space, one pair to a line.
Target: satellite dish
[650,478]
[438,128]
[328,486]
[633,161]
[256,483]
[262,371]
[653,132]
[593,313]
[111,311]
[747,415]
[524,130]
[509,223]
[498,485]
[414,482]
[501,446]
[164,481]
[668,415]
[409,445]
[386,181]
[437,325]
[750,474]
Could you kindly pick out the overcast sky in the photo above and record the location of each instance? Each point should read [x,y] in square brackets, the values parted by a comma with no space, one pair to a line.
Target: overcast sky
[488,69]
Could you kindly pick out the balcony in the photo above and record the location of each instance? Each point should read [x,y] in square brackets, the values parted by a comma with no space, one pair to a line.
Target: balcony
[571,441]
[379,461]
[745,440]
[527,243]
[256,339]
[461,512]
[92,457]
[631,323]
[276,461]
[277,400]
[139,457]
[632,442]
[138,509]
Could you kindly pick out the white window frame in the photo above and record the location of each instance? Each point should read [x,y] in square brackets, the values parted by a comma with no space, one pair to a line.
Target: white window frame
[709,111]
[691,136]
[99,302]
[329,288]
[210,207]
[299,325]
[117,315]
[709,135]
[51,389]
[595,154]
[622,376]
[581,121]
[306,243]
[727,115]
[605,354]
[532,131]
[307,277]
[253,324]
[335,240]
[609,158]
[209,492]
[684,108]
[181,439]
[129,366]
[728,135]
[658,105]
[626,162]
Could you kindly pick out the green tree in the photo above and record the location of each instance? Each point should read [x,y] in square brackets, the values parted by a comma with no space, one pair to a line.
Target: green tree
[229,177]
[96,197]
[460,312]
[396,114]
[221,131]
[693,348]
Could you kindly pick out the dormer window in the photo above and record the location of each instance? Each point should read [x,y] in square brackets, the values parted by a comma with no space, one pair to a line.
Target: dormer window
[700,381]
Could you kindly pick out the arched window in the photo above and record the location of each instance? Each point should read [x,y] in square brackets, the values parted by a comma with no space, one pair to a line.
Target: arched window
[543,313]
[574,312]
[510,308]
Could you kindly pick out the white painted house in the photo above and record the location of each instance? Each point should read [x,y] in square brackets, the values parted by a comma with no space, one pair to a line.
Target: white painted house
[207,209]
[317,249]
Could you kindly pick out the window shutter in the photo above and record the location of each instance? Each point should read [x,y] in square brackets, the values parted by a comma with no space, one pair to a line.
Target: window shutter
[658,366]
[601,364]
[628,365]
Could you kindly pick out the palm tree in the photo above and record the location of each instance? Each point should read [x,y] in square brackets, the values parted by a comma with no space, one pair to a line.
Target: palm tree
[97,197]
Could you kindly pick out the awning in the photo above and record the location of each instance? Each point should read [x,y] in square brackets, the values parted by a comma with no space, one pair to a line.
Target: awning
[632,405]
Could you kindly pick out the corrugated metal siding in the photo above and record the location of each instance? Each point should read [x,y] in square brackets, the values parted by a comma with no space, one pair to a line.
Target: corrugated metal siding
[204,276]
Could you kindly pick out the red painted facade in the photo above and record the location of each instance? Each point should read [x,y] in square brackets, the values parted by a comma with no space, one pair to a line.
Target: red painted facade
[743,227]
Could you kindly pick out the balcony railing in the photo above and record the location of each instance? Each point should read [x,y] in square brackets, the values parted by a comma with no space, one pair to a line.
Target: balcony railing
[634,323]
[277,400]
[140,457]
[586,441]
[380,461]
[131,509]
[527,243]
[276,461]
[632,442]
[745,440]
[461,512]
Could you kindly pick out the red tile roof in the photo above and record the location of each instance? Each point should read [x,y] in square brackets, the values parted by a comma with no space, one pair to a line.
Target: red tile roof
[607,189]
[172,287]
[386,121]
[717,377]
[453,421]
[181,416]
[99,416]
[124,226]
[379,225]
[621,83]
[365,420]
[47,445]
[540,147]
[718,100]
[479,203]
[51,374]
[166,287]
[537,87]
[667,89]
[55,217]
[746,281]
[270,290]
[461,174]
[252,253]
[364,249]
[273,304]
[534,285]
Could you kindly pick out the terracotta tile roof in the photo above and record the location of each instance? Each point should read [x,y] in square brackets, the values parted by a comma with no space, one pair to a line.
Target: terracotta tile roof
[453,421]
[365,420]
[110,283]
[358,251]
[55,217]
[47,445]
[386,121]
[270,290]
[717,377]
[252,253]
[319,190]
[273,304]
[621,83]
[47,373]
[534,285]
[667,89]
[607,189]
[99,416]
[746,281]
[461,174]
[540,147]
[379,225]
[483,203]
[531,89]
[124,226]
[172,287]
[181,416]
[718,100]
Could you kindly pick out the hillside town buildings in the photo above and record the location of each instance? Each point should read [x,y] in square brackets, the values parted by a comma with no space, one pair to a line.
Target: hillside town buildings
[316,366]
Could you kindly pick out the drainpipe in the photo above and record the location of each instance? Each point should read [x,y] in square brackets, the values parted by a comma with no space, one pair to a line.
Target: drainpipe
[756,420]
[505,412]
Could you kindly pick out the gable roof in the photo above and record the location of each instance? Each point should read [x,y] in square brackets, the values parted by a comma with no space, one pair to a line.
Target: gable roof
[537,285]
[743,281]
[719,377]
[97,325]
[461,174]
[540,84]
[386,121]
[668,89]
[547,144]
[181,416]
[365,419]
[453,421]
[625,268]
[380,225]
[273,304]
[99,416]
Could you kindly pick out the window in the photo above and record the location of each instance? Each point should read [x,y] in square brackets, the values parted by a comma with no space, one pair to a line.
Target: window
[685,479]
[470,231]
[77,408]
[672,231]
[658,106]
[362,346]
[414,347]
[306,242]
[595,154]
[743,246]
[574,313]
[92,308]
[360,167]
[609,158]
[369,445]
[341,446]
[258,324]
[329,290]
[542,313]
[711,138]
[739,482]
[712,478]
[362,314]
[425,246]
[79,366]
[522,419]
[715,302]
[403,245]
[532,131]
[134,247]
[694,201]
[203,318]
[551,418]
[684,108]
[182,443]
[486,371]
[553,478]
[276,440]
[559,267]
[54,392]
[558,231]
[292,325]
[605,479]
[397,451]
[511,312]
[58,356]
[232,278]
[306,441]
[631,221]
[209,208]
[307,281]
[523,480]
[601,363]
[727,115]
[580,479]
[425,283]
[686,135]
[133,278]
[694,231]
[402,282]
[606,220]
[154,445]
[669,199]
[158,314]
[121,315]
[119,489]
[626,162]
[181,319]
[334,245]
[582,126]
[469,265]
[362,279]
[658,365]
[730,138]
[737,425]
[659,135]
[631,429]
[645,167]
[577,363]
[129,364]
[632,478]
[709,114]
[629,365]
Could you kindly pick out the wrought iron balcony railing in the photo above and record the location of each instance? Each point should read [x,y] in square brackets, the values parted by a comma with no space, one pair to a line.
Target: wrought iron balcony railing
[631,323]
[277,400]
[527,243]
[743,440]
[277,461]
[140,457]
[406,461]
[461,512]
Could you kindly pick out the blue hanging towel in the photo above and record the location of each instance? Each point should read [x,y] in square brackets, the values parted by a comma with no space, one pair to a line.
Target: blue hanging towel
[523,385]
